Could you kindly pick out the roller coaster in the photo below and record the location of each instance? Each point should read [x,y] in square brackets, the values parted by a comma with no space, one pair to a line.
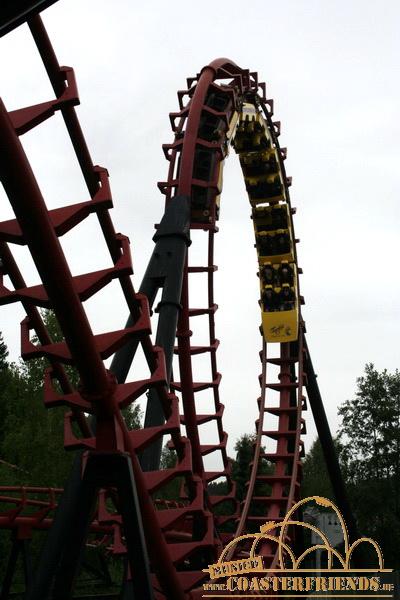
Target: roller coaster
[115,493]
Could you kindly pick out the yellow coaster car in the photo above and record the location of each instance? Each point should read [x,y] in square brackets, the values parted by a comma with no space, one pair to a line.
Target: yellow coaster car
[252,135]
[279,302]
[274,246]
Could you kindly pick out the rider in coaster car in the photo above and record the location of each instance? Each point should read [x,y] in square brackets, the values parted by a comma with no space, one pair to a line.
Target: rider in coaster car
[285,273]
[286,298]
[279,218]
[266,245]
[270,299]
[282,243]
[268,274]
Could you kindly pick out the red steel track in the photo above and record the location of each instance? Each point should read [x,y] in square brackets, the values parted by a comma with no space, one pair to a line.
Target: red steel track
[284,480]
[186,535]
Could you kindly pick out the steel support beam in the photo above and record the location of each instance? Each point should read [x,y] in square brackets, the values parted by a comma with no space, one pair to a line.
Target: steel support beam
[63,522]
[18,547]
[105,470]
[165,270]
[13,13]
[29,207]
[328,447]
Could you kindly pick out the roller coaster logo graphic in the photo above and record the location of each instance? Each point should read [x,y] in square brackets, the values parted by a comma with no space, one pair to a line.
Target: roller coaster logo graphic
[280,577]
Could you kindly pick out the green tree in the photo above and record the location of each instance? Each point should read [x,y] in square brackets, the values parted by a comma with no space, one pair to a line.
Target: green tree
[3,353]
[371,427]
[31,437]
[241,467]
[4,382]
[370,437]
[316,481]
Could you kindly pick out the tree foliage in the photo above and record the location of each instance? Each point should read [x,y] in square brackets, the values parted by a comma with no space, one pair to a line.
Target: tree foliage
[370,435]
[31,437]
[316,481]
[368,446]
[31,440]
[371,427]
[241,466]
[3,354]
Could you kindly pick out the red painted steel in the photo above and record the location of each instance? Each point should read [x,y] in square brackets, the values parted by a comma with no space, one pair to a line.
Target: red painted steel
[183,533]
[277,474]
[181,178]
[99,393]
[26,509]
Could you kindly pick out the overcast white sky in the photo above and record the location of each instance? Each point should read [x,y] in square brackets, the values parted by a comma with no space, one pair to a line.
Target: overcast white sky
[332,69]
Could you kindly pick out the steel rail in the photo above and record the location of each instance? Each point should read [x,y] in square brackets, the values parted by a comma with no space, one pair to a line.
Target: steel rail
[28,205]
[37,322]
[73,126]
[183,182]
[257,450]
